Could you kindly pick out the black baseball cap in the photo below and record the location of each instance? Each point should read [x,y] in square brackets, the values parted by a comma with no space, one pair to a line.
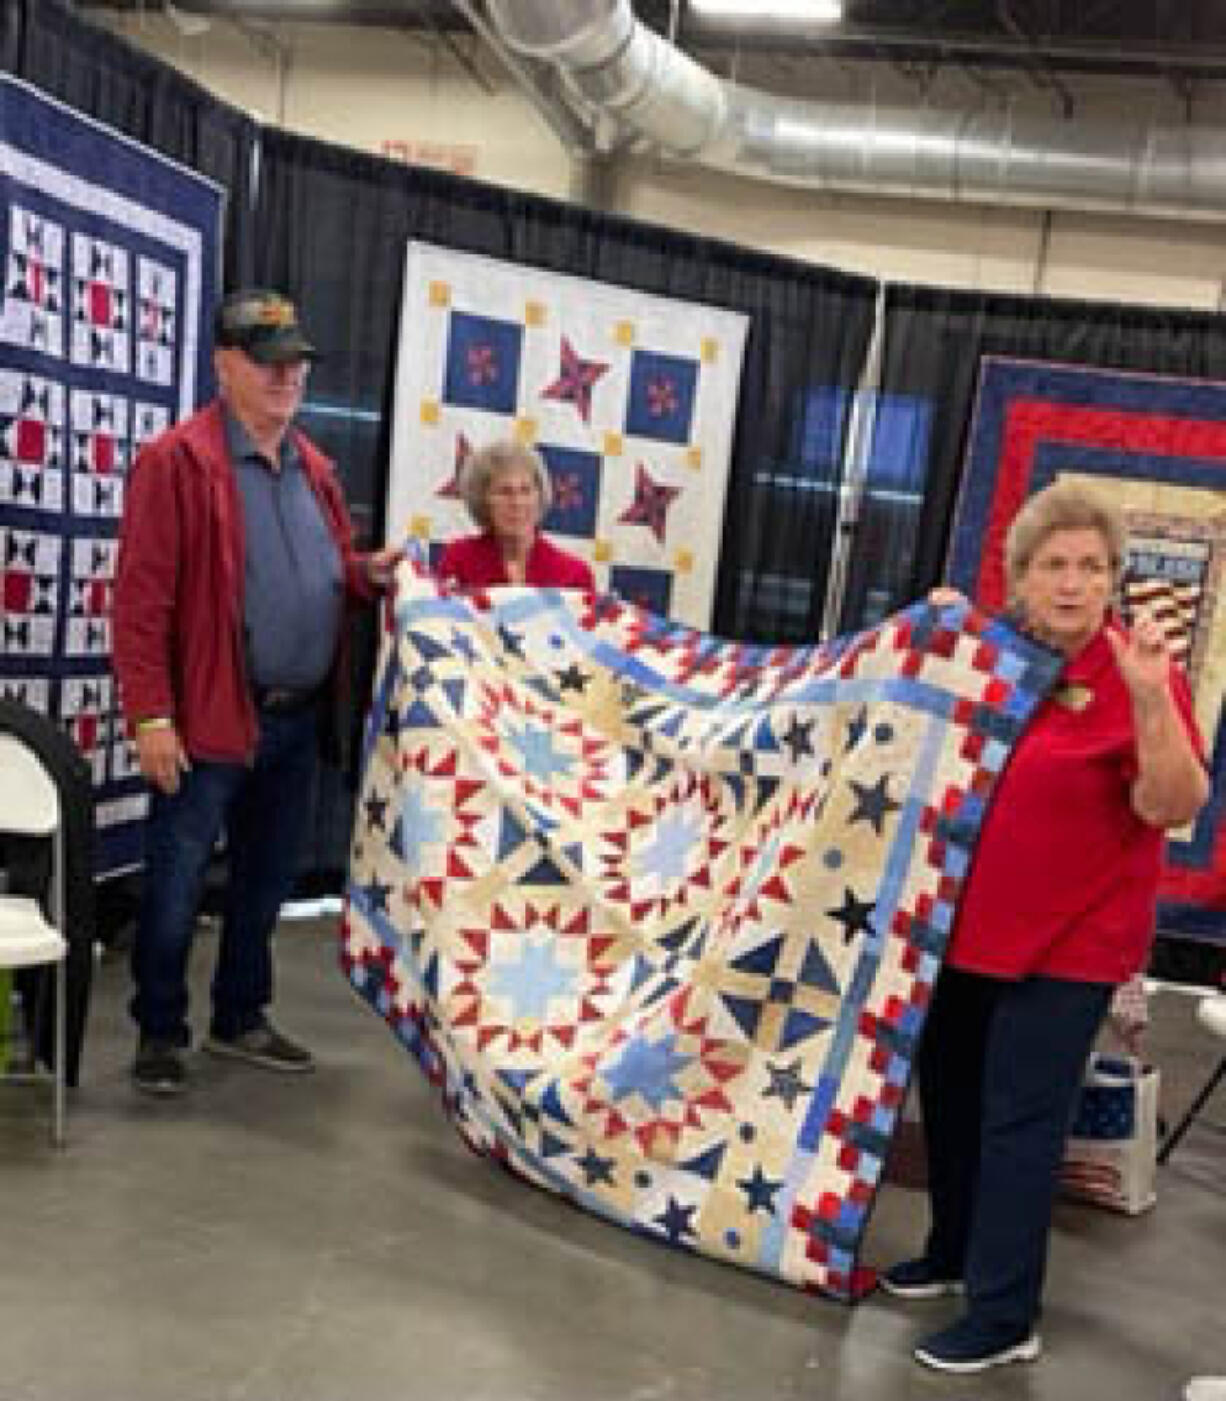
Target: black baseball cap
[263,325]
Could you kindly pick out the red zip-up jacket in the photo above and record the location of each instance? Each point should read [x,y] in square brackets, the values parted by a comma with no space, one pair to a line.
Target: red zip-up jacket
[177,648]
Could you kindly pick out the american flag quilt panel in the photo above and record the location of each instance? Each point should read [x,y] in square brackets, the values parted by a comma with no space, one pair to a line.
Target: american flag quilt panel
[108,254]
[660,915]
[1157,447]
[630,400]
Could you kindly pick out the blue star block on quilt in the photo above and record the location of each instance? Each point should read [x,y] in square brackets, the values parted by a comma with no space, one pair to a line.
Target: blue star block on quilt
[661,399]
[575,476]
[483,363]
[644,587]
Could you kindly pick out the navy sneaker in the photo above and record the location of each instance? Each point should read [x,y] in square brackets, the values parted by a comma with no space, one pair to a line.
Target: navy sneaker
[919,1279]
[158,1067]
[968,1346]
[263,1045]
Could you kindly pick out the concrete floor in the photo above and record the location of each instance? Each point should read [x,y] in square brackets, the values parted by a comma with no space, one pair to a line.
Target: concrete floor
[326,1238]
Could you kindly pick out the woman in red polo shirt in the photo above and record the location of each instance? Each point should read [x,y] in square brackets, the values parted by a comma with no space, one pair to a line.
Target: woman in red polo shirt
[507,491]
[1058,909]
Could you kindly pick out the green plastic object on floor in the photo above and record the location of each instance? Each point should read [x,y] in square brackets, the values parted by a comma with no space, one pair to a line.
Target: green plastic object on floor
[6,1017]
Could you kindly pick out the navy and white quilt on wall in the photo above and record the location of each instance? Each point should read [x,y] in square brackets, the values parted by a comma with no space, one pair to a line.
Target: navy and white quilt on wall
[109,254]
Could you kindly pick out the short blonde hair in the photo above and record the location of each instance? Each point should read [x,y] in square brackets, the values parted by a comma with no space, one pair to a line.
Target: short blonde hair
[1063,505]
[482,468]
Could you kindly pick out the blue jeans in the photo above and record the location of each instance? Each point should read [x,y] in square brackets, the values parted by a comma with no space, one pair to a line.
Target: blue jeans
[264,808]
[999,1069]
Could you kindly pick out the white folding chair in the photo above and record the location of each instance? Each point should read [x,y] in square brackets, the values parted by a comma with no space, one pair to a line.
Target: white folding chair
[30,806]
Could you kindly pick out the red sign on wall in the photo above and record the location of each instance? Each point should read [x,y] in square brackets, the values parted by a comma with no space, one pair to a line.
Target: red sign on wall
[441,155]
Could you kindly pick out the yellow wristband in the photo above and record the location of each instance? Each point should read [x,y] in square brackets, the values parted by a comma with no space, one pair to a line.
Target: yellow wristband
[156,722]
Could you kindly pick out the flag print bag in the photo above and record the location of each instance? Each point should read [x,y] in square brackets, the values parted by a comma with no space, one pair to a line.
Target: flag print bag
[1111,1157]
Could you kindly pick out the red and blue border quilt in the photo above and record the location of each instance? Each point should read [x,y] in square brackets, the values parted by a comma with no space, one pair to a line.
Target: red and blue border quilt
[1158,445]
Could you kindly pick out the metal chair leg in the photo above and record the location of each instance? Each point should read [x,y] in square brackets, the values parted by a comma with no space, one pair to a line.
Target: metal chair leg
[59,907]
[1170,1142]
[61,1058]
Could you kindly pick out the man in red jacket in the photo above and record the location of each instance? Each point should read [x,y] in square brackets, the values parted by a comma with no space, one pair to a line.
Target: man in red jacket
[235,562]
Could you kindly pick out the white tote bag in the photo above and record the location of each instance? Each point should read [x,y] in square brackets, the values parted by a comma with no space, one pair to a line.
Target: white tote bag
[1111,1157]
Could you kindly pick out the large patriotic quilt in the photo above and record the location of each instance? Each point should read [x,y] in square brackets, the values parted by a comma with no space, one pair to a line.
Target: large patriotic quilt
[1157,446]
[108,253]
[660,915]
[630,400]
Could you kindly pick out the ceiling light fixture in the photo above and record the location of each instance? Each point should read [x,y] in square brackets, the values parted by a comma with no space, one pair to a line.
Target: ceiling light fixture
[773,11]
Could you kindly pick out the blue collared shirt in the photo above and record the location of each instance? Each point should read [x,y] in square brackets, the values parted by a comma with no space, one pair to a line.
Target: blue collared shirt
[293,593]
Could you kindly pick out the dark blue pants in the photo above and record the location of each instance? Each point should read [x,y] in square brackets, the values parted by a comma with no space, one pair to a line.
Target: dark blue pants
[999,1069]
[264,808]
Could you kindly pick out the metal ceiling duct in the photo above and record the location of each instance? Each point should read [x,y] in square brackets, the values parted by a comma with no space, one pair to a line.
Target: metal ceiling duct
[622,67]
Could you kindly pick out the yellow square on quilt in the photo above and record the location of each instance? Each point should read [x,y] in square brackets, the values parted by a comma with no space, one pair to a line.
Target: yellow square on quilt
[525,431]
[535,314]
[429,412]
[709,350]
[440,294]
[602,551]
[683,561]
[693,458]
[613,444]
[623,333]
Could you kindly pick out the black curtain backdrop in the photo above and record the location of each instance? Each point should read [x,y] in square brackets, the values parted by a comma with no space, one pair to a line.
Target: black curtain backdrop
[934,339]
[332,230]
[102,76]
[329,225]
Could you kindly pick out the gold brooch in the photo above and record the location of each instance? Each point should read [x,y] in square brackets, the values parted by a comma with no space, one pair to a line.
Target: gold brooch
[1073,696]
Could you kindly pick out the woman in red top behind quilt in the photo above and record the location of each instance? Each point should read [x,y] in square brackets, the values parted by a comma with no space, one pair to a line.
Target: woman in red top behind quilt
[1058,909]
[507,491]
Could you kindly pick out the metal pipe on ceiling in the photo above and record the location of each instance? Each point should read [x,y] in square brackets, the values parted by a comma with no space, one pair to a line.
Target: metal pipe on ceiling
[620,66]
